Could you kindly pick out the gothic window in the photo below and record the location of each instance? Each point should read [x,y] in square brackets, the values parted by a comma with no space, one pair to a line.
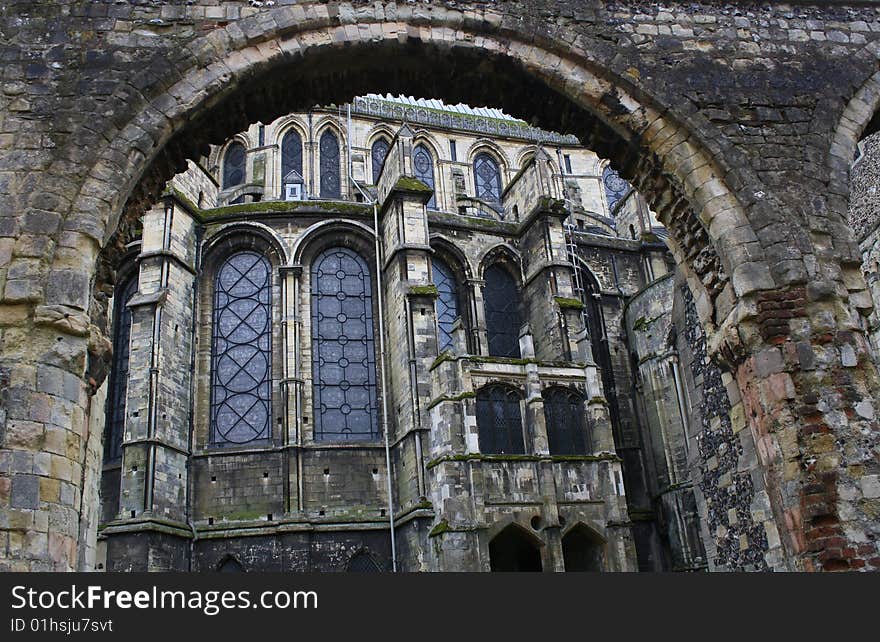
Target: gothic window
[487,178]
[615,187]
[499,420]
[233,166]
[291,155]
[343,348]
[377,156]
[330,178]
[423,165]
[447,302]
[119,373]
[566,425]
[503,316]
[241,350]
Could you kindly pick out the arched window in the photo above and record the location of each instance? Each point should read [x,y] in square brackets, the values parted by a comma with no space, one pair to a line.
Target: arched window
[330,179]
[487,178]
[291,155]
[423,165]
[447,302]
[119,373]
[499,420]
[566,422]
[343,348]
[615,187]
[378,152]
[503,316]
[241,350]
[233,165]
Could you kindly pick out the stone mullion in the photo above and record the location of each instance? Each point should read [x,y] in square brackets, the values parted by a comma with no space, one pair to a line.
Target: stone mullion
[479,336]
[293,385]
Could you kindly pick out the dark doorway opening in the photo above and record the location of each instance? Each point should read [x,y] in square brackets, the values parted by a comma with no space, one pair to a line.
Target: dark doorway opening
[512,550]
[582,551]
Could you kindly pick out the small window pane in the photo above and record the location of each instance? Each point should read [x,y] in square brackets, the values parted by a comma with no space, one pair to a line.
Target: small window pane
[119,372]
[487,179]
[291,155]
[447,302]
[615,187]
[503,317]
[241,355]
[330,179]
[499,420]
[566,422]
[377,155]
[233,166]
[423,165]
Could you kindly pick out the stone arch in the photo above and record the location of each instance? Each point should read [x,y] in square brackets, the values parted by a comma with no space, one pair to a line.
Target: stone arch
[313,233]
[229,564]
[493,149]
[453,255]
[682,169]
[218,154]
[231,232]
[506,255]
[515,548]
[677,148]
[362,561]
[582,548]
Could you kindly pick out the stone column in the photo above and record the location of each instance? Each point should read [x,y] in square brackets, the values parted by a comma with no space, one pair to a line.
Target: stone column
[156,439]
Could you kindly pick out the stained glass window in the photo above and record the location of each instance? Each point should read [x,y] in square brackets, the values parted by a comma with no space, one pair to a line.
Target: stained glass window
[503,316]
[499,420]
[233,166]
[119,372]
[566,422]
[615,187]
[330,179]
[241,350]
[447,302]
[291,155]
[343,348]
[377,156]
[487,178]
[423,165]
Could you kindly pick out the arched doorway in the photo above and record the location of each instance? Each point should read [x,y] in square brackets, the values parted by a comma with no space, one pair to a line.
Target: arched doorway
[513,550]
[582,550]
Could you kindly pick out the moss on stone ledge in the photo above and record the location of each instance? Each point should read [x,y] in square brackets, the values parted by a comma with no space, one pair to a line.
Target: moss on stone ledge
[423,290]
[442,398]
[568,303]
[441,527]
[410,184]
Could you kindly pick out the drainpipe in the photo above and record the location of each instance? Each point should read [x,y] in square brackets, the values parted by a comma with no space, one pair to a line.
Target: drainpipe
[379,286]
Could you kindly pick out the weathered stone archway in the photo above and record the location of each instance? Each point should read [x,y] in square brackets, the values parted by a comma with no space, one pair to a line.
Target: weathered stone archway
[166,98]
